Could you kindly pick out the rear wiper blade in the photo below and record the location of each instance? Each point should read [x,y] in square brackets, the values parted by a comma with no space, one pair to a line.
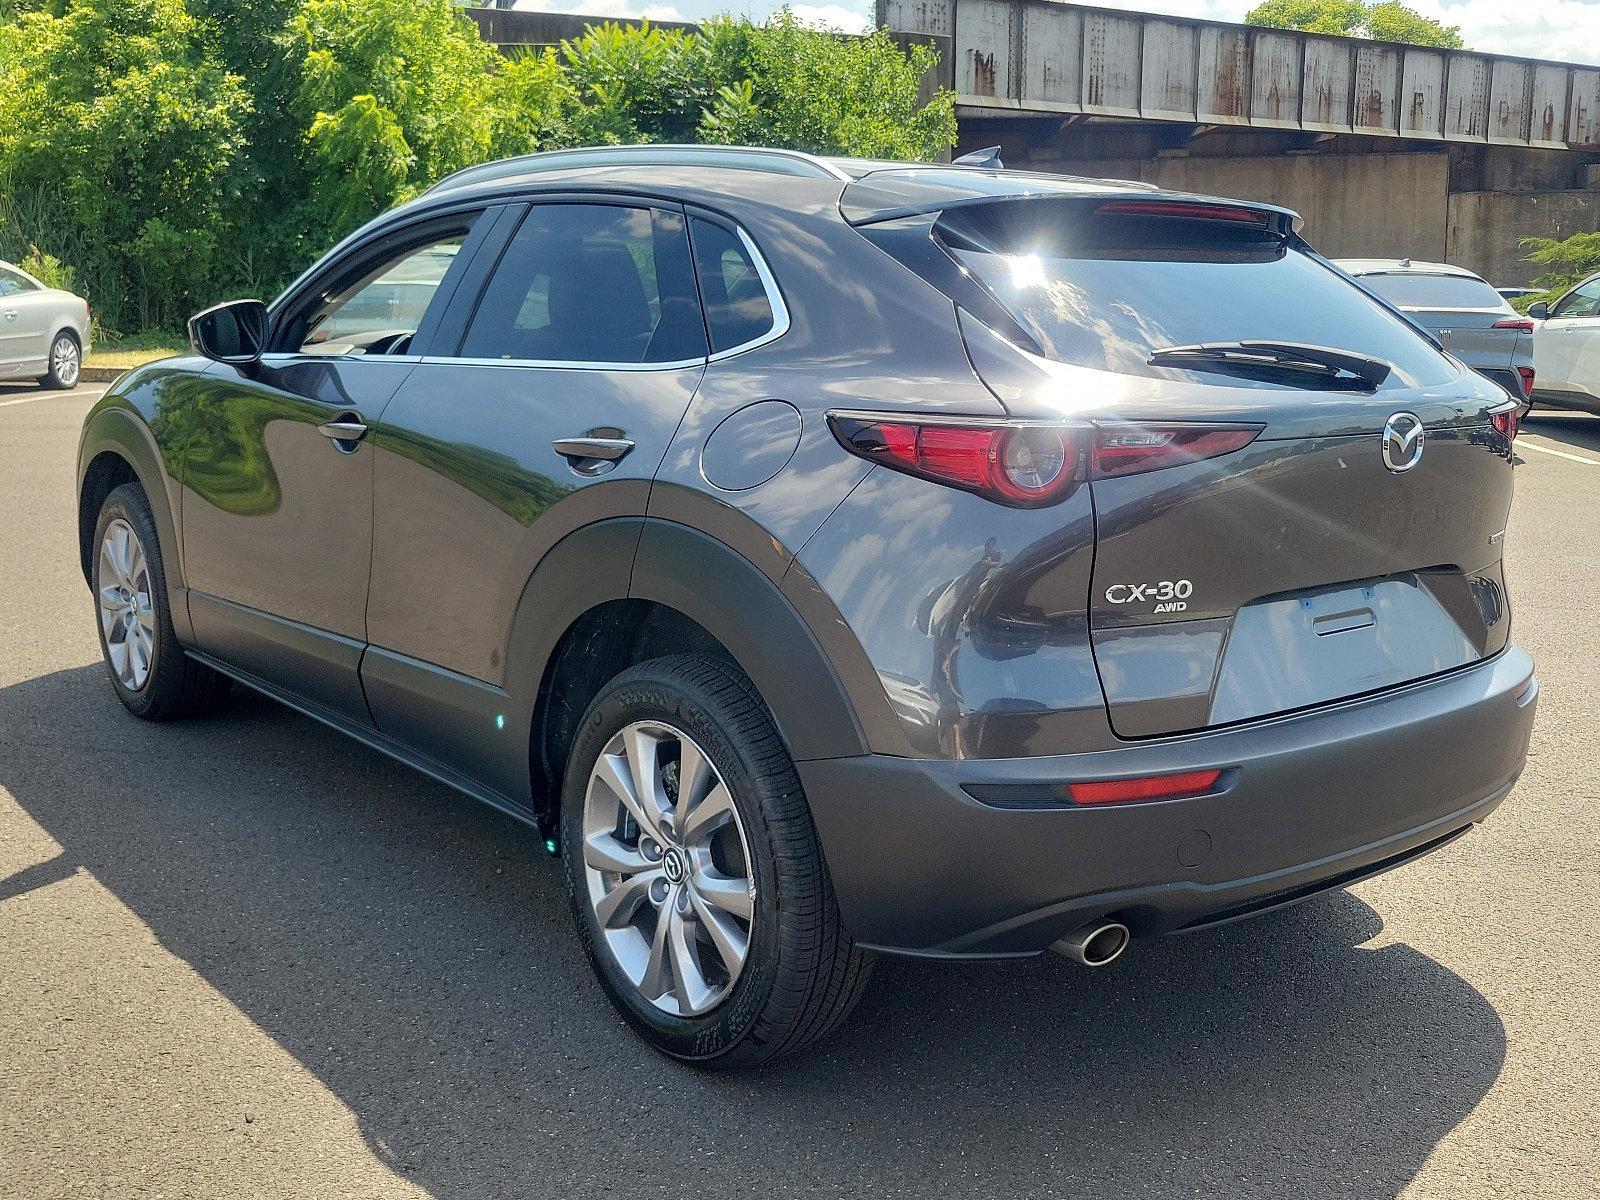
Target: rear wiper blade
[1322,361]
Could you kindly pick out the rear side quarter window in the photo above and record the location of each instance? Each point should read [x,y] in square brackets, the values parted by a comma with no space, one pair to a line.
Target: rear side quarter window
[736,293]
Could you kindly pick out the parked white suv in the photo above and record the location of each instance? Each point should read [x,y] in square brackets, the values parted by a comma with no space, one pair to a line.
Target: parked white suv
[1566,348]
[44,331]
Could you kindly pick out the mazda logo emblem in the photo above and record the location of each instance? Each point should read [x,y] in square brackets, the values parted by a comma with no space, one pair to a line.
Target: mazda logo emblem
[1402,441]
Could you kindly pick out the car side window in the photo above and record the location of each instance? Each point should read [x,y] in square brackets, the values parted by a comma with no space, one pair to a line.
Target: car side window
[591,283]
[1582,301]
[378,311]
[12,283]
[738,309]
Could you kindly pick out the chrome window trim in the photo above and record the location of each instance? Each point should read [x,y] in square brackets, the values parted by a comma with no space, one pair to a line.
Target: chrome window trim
[561,364]
[274,357]
[780,310]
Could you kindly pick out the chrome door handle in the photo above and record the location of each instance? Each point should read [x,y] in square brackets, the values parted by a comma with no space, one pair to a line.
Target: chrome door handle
[11,314]
[345,430]
[587,448]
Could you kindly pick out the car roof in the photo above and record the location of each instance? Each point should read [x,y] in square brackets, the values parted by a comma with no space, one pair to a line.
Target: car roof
[1401,266]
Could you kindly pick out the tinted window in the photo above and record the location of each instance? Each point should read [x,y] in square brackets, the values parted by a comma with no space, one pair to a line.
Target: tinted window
[1582,301]
[1434,291]
[1103,290]
[378,311]
[591,283]
[11,283]
[737,307]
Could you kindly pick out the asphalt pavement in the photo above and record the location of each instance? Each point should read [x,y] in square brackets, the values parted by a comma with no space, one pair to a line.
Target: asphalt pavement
[244,957]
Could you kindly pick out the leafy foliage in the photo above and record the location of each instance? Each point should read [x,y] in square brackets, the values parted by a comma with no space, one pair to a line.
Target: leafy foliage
[1571,260]
[172,152]
[1390,21]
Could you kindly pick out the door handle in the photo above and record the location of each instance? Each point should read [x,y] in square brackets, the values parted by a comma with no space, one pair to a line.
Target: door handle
[345,430]
[11,314]
[591,451]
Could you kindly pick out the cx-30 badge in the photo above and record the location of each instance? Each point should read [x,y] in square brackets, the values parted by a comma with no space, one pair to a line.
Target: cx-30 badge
[1402,442]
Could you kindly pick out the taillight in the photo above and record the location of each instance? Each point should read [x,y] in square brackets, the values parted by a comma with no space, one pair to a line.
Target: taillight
[1526,375]
[1134,449]
[1525,324]
[1150,787]
[1028,464]
[1507,420]
[1024,465]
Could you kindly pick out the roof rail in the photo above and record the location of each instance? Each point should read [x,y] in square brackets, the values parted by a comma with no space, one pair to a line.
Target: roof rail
[747,158]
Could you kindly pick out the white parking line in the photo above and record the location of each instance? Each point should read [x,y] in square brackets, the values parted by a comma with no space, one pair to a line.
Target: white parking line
[50,396]
[1525,444]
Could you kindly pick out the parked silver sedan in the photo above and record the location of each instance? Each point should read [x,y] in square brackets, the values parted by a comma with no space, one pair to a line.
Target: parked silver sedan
[44,331]
[1472,320]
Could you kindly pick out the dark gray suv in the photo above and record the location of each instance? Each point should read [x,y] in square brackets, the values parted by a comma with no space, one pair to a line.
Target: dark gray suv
[836,557]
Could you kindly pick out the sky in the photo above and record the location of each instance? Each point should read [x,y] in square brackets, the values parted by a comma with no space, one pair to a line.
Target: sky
[1567,30]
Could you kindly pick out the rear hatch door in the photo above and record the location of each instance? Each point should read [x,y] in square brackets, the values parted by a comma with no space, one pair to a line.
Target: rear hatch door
[1352,545]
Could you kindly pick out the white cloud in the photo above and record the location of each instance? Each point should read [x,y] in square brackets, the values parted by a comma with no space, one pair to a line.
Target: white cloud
[833,16]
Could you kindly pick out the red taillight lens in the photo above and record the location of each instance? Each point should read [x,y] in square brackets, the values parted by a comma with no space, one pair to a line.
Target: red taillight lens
[1526,375]
[1151,787]
[1028,465]
[1020,465]
[1525,324]
[1132,449]
[1507,421]
[1195,212]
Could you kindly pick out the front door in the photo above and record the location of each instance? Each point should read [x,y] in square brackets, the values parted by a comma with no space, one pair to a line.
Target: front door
[277,467]
[25,313]
[554,410]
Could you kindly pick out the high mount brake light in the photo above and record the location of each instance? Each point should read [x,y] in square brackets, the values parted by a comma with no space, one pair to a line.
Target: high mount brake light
[1027,465]
[1237,214]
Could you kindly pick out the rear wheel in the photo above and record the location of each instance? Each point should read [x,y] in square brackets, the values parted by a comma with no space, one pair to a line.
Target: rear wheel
[697,880]
[66,362]
[152,675]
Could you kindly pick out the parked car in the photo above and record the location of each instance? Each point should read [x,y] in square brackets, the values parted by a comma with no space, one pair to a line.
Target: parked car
[1471,320]
[44,331]
[835,558]
[1566,348]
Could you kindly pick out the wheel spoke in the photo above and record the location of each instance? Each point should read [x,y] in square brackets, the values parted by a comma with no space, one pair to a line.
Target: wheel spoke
[138,664]
[643,751]
[146,616]
[692,988]
[707,815]
[612,770]
[732,942]
[727,893]
[657,979]
[616,907]
[694,778]
[604,852]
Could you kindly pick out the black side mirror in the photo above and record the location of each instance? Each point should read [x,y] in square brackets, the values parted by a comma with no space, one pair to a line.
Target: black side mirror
[235,332]
[1539,311]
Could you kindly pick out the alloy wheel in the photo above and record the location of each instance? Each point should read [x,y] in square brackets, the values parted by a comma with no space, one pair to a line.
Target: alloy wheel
[66,361]
[667,868]
[127,616]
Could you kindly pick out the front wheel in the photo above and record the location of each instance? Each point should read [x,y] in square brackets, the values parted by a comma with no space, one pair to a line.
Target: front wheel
[697,880]
[66,363]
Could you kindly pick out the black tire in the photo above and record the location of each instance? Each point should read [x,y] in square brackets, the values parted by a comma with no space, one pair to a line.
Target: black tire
[803,973]
[177,685]
[52,377]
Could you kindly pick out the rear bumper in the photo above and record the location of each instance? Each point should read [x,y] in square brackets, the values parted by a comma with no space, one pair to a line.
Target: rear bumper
[1308,802]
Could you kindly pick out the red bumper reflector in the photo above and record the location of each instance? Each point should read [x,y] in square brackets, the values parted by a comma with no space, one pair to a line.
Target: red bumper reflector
[1151,787]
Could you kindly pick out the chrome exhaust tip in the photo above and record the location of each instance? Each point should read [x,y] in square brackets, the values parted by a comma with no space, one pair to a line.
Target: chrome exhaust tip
[1097,944]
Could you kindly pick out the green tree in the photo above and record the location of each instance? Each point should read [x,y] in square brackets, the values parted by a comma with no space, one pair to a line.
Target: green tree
[1390,21]
[117,128]
[1569,260]
[392,95]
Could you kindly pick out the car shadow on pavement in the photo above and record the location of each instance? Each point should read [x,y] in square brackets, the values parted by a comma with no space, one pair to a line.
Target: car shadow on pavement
[1579,431]
[413,950]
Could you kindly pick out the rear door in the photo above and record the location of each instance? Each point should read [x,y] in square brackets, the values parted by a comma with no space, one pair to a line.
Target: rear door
[545,402]
[1351,544]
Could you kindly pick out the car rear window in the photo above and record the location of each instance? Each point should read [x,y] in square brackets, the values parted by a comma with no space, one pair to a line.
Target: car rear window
[1434,291]
[1105,290]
